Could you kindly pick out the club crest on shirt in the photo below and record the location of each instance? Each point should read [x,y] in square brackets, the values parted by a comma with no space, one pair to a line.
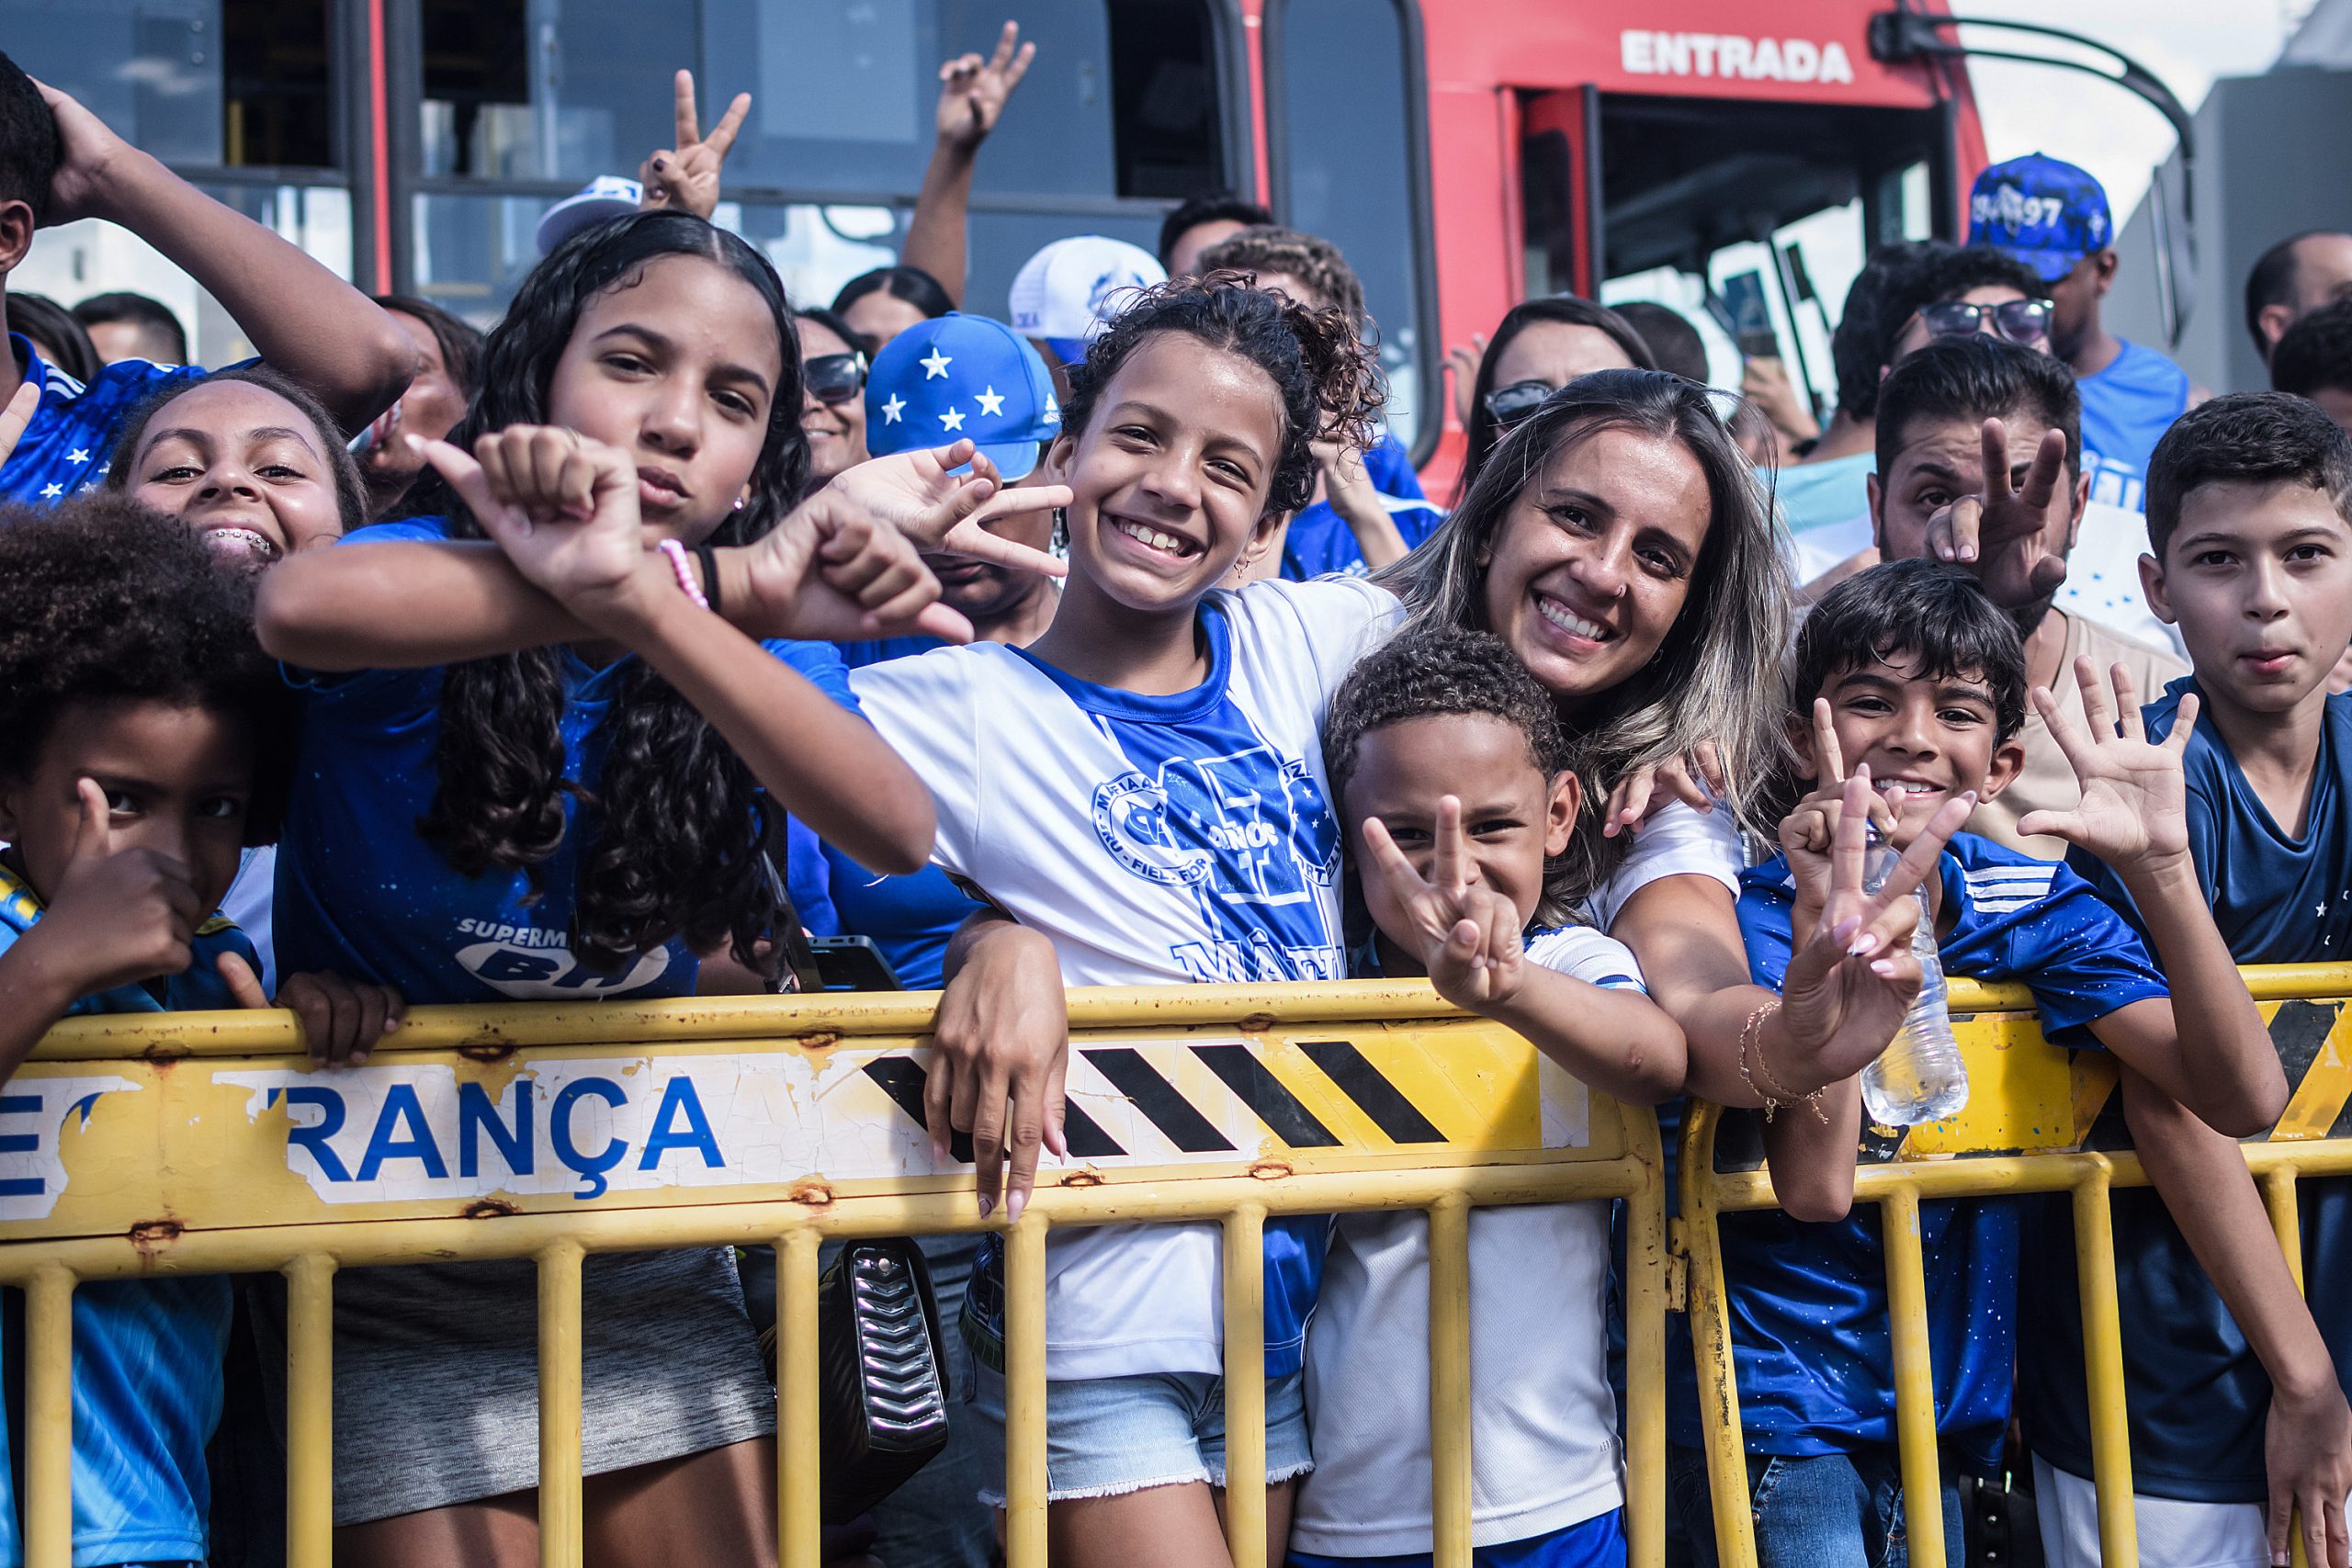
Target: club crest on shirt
[1247,828]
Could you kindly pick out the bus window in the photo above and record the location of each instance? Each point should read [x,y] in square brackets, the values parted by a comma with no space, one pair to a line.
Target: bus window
[204,82]
[1119,103]
[522,100]
[237,95]
[1349,163]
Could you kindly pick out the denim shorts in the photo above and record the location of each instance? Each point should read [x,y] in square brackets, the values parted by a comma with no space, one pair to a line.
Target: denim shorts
[1839,1510]
[1106,1436]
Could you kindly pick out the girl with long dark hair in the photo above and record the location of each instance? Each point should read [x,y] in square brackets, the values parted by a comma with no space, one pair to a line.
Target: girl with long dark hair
[535,764]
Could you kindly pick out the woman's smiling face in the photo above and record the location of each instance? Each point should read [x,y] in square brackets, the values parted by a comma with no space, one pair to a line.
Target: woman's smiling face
[1594,561]
[836,432]
[1169,480]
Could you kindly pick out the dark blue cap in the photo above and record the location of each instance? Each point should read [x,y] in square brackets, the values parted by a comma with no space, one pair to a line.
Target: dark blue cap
[959,377]
[2045,212]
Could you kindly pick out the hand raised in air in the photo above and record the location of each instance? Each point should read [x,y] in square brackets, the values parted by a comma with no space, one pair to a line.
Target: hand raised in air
[2134,812]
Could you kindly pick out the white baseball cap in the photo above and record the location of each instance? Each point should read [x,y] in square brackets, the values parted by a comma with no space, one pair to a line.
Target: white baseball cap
[1064,292]
[604,198]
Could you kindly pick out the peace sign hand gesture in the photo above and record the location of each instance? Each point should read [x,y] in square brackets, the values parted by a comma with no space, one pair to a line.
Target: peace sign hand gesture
[2134,814]
[1466,936]
[686,176]
[1809,832]
[972,90]
[2003,535]
[1853,979]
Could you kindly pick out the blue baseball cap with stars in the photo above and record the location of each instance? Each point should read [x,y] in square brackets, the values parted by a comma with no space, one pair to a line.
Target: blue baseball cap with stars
[962,377]
[2041,210]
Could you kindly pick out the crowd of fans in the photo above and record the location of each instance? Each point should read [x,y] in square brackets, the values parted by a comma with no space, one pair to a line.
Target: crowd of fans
[1116,641]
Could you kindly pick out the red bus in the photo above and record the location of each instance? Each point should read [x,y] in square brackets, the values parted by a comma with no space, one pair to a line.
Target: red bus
[1464,153]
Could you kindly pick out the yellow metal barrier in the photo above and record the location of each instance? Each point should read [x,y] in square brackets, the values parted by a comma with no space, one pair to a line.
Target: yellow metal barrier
[2027,1128]
[204,1144]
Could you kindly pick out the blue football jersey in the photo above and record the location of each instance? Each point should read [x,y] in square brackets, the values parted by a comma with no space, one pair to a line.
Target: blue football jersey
[2197,1394]
[1319,541]
[146,1352]
[362,893]
[2127,408]
[1808,1301]
[70,441]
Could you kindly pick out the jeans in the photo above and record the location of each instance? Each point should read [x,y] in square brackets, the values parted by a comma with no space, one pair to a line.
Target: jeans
[1827,1511]
[935,1520]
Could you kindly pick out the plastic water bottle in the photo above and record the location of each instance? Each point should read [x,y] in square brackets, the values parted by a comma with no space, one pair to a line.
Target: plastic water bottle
[1919,1076]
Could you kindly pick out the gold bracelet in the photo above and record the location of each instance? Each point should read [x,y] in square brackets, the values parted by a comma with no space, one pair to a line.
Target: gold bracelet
[1773,1093]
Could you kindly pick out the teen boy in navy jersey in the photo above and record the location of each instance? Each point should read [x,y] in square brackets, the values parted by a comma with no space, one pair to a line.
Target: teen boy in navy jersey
[2248,501]
[59,161]
[1917,681]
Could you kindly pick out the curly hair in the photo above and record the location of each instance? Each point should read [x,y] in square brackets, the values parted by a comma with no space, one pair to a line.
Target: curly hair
[1329,383]
[678,826]
[1310,258]
[1442,670]
[350,492]
[103,601]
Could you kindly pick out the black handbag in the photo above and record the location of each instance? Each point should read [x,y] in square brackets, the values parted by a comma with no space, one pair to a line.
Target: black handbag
[882,1384]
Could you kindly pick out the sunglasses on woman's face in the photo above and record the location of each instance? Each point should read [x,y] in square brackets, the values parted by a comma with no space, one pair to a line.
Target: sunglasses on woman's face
[1510,404]
[2019,320]
[835,378]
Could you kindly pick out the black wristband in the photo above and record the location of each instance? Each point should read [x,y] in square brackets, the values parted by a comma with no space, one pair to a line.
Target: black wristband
[710,558]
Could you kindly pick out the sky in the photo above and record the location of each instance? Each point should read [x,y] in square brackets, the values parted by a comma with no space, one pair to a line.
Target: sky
[2108,130]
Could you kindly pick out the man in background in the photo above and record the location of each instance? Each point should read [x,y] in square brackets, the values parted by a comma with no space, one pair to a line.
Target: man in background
[123,325]
[2054,216]
[2294,277]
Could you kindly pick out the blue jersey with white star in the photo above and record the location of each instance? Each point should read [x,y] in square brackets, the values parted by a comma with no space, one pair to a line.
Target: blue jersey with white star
[1808,1301]
[146,1352]
[1319,541]
[71,439]
[362,893]
[2197,1394]
[1154,840]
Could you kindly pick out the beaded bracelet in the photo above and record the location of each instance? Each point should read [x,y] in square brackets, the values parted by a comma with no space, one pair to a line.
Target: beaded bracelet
[686,583]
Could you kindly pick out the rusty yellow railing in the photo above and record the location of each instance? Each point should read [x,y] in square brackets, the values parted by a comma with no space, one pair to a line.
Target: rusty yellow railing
[205,1143]
[2026,1128]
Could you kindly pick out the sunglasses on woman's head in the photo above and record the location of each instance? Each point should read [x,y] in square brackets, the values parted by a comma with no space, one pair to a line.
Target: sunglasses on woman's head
[835,378]
[2019,320]
[1510,404]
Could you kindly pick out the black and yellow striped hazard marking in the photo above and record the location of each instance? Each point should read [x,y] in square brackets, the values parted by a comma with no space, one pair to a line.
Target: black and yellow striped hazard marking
[1381,1091]
[2029,1097]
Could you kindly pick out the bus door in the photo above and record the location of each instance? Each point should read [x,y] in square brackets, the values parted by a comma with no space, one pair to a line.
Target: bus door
[1750,217]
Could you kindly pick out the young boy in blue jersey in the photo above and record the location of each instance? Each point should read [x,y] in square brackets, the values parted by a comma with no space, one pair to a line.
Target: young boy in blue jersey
[1914,679]
[1450,769]
[59,163]
[146,749]
[2238,1414]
